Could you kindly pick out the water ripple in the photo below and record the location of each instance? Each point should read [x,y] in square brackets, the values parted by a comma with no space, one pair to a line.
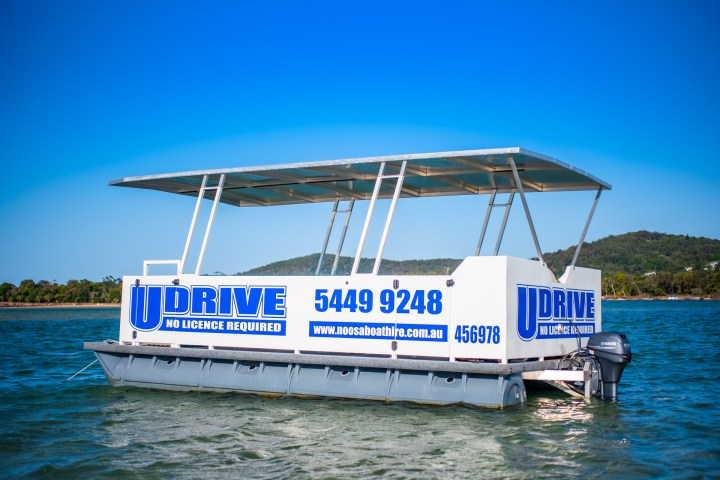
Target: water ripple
[665,424]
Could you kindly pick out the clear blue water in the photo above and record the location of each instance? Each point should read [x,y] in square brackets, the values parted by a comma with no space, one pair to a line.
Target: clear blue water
[666,424]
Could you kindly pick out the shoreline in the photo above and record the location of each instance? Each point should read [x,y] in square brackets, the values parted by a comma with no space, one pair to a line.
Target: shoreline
[679,297]
[57,305]
[117,305]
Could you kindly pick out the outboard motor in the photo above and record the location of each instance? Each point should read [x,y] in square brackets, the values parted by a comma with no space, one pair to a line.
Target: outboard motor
[612,350]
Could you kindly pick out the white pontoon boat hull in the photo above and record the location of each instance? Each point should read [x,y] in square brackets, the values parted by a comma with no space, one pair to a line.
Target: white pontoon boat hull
[466,337]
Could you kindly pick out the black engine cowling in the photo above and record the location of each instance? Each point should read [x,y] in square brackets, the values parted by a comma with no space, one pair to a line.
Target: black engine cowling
[612,349]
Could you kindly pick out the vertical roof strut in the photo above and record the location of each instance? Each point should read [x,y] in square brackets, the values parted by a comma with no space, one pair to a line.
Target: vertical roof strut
[508,205]
[388,220]
[587,224]
[342,236]
[201,194]
[400,176]
[501,233]
[335,210]
[218,194]
[519,186]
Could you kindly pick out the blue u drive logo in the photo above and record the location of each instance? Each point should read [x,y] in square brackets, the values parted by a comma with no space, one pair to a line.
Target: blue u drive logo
[150,303]
[146,307]
[540,307]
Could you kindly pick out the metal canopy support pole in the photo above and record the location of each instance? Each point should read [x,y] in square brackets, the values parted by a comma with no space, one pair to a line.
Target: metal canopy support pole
[488,213]
[519,187]
[485,222]
[201,194]
[327,236]
[388,221]
[348,212]
[587,224]
[363,235]
[508,205]
[218,193]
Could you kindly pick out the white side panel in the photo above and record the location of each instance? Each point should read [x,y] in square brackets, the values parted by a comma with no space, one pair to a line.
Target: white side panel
[497,308]
[546,316]
[478,311]
[354,314]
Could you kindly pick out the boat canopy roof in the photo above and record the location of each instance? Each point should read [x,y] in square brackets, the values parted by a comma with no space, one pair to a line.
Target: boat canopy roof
[425,175]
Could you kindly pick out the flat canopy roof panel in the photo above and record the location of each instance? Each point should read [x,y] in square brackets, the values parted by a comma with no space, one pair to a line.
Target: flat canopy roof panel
[426,174]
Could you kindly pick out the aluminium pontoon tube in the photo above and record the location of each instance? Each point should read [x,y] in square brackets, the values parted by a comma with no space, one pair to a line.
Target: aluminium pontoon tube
[587,224]
[218,193]
[519,187]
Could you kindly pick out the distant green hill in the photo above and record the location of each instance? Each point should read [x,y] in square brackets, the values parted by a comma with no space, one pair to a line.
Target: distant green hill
[308,264]
[633,253]
[637,264]
[641,252]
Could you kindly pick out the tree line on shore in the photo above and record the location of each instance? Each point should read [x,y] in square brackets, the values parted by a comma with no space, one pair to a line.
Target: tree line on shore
[649,264]
[636,264]
[74,291]
[641,253]
[699,283]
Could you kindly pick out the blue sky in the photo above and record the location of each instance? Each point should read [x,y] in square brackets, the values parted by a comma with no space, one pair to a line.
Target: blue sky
[94,91]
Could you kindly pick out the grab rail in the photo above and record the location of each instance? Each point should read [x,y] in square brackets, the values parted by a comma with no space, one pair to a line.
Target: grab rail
[147,263]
